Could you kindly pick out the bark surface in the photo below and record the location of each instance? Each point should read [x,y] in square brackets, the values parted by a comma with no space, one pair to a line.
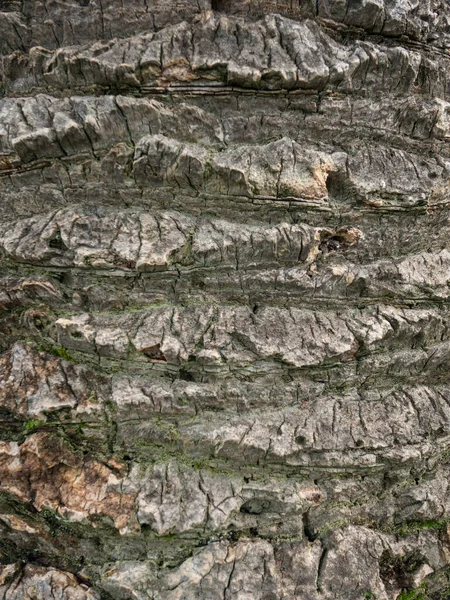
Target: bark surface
[224,300]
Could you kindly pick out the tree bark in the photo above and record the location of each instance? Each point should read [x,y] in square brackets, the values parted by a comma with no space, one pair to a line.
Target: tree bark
[224,300]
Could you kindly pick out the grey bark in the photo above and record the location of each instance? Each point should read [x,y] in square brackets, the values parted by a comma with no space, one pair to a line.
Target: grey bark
[224,300]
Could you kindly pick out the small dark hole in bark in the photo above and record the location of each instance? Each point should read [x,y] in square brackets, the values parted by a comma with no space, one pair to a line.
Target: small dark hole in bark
[154,353]
[6,414]
[185,375]
[340,240]
[333,244]
[340,189]
[62,277]
[49,67]
[359,443]
[300,439]
[56,242]
[217,4]
[76,335]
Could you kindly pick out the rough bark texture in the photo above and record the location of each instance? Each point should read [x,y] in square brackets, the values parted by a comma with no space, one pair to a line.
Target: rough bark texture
[224,300]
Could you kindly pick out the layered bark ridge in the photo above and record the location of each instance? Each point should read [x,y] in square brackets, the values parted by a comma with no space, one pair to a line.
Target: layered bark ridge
[224,300]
